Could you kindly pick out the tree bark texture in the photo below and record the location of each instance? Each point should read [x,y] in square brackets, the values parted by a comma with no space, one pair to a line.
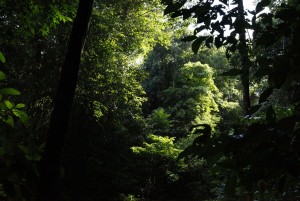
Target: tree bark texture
[50,170]
[245,62]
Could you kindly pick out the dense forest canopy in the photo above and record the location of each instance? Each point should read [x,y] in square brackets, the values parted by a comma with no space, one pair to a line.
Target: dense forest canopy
[149,100]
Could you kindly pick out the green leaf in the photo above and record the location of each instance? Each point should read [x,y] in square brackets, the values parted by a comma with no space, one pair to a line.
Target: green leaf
[8,104]
[232,72]
[205,131]
[196,44]
[9,91]
[2,58]
[189,38]
[265,95]
[20,105]
[22,116]
[2,76]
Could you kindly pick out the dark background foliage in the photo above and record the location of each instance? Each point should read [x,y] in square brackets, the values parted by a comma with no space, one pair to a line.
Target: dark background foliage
[161,111]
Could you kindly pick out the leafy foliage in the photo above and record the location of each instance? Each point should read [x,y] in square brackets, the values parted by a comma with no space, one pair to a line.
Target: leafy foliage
[260,153]
[161,146]
[144,99]
[206,14]
[158,122]
[193,100]
[9,110]
[18,162]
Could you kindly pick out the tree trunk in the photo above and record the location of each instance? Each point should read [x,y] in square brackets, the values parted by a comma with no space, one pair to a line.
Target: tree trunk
[245,62]
[50,182]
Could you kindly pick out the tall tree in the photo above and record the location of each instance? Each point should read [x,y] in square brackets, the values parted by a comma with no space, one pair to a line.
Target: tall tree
[244,60]
[32,32]
[109,95]
[50,188]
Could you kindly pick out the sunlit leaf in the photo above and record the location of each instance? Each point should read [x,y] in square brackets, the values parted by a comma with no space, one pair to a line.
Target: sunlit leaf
[22,116]
[20,105]
[9,91]
[8,104]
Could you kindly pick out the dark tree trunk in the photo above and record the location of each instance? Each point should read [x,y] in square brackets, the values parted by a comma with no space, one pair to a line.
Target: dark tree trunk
[245,62]
[50,184]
